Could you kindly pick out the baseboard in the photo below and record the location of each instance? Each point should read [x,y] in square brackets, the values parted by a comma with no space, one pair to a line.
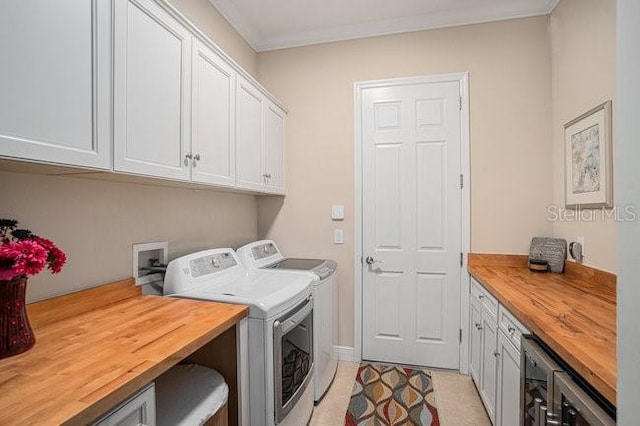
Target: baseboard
[347,353]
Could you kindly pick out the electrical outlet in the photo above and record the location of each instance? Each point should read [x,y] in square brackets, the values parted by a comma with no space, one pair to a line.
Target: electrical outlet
[581,241]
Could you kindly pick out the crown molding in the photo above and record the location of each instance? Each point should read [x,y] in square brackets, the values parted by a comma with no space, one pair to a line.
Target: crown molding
[443,19]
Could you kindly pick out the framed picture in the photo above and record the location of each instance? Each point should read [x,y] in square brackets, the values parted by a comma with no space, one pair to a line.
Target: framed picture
[588,160]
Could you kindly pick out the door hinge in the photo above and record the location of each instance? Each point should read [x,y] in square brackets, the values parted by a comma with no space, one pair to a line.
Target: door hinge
[461,259]
[460,103]
[460,335]
[461,181]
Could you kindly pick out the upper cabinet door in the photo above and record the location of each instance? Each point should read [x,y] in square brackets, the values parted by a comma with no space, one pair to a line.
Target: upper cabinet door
[249,132]
[152,76]
[55,91]
[213,118]
[274,148]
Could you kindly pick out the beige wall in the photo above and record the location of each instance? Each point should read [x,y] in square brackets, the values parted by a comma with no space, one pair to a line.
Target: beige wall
[207,18]
[96,222]
[583,45]
[511,150]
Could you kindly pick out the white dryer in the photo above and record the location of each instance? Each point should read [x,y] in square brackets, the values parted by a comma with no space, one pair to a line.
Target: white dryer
[266,255]
[280,331]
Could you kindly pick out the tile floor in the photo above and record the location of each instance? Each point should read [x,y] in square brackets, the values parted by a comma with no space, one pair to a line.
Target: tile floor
[458,400]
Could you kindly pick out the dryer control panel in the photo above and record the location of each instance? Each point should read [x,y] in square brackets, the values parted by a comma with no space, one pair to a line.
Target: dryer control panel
[206,265]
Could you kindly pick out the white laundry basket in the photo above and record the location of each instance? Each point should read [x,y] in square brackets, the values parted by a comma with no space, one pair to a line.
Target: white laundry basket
[191,395]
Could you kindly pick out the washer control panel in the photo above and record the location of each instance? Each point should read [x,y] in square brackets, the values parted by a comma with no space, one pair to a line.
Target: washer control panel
[264,250]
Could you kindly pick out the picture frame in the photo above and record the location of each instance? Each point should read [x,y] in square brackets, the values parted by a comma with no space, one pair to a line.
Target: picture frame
[589,159]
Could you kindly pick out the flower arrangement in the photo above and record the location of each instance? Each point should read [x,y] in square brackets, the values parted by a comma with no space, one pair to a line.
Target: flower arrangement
[23,253]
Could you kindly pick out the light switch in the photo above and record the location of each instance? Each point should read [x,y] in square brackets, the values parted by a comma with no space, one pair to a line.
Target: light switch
[338,236]
[337,212]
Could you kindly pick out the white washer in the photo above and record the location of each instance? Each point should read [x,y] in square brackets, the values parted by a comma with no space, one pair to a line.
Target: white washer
[280,332]
[266,255]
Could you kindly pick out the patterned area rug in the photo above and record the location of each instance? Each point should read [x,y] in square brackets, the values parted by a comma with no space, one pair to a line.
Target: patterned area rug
[391,395]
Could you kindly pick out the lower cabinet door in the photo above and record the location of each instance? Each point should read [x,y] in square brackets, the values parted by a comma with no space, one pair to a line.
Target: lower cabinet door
[508,396]
[488,378]
[475,347]
[138,410]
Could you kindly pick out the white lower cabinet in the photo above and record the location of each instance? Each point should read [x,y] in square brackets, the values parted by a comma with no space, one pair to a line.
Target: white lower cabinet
[508,392]
[475,345]
[489,362]
[138,410]
[495,356]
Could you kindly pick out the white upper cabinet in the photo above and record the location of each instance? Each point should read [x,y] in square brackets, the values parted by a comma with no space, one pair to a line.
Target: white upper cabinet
[213,118]
[131,86]
[152,94]
[55,81]
[249,136]
[274,148]
[259,140]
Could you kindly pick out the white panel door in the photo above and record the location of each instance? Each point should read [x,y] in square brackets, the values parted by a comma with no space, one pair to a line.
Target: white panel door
[152,91]
[274,148]
[508,392]
[55,81]
[213,118]
[411,142]
[249,134]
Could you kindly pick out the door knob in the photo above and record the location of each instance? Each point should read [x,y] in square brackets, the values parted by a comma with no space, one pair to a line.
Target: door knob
[370,260]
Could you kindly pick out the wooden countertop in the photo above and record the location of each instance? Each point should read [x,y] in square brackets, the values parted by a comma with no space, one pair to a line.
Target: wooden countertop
[89,358]
[575,316]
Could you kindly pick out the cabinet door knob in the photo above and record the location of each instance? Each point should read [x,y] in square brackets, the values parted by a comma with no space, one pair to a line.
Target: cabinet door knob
[511,329]
[496,354]
[196,157]
[478,326]
[188,156]
[480,297]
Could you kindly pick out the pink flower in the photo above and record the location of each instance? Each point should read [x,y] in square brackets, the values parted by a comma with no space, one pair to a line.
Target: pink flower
[44,243]
[28,258]
[56,260]
[22,253]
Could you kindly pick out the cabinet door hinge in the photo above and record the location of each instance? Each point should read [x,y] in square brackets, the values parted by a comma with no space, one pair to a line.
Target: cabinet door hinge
[460,335]
[461,259]
[460,103]
[461,181]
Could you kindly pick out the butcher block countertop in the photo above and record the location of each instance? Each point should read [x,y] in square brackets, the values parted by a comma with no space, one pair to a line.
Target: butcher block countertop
[96,347]
[574,313]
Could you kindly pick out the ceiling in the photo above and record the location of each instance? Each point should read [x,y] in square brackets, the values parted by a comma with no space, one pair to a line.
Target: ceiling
[277,24]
